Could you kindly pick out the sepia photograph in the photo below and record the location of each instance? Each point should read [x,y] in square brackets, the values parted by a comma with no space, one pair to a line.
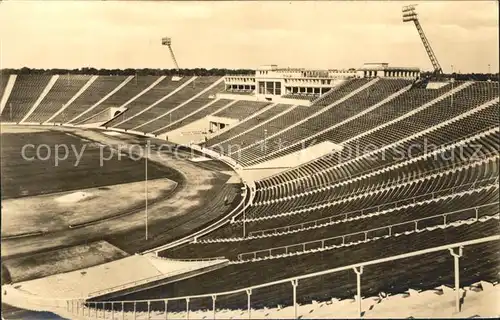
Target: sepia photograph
[249,159]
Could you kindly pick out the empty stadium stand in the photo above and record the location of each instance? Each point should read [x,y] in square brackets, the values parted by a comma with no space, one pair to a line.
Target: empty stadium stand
[146,121]
[127,92]
[418,168]
[101,87]
[26,91]
[240,128]
[3,83]
[241,275]
[241,109]
[333,168]
[197,115]
[62,91]
[348,108]
[162,89]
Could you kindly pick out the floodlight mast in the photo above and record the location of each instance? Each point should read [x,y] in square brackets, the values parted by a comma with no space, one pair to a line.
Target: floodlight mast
[409,14]
[167,41]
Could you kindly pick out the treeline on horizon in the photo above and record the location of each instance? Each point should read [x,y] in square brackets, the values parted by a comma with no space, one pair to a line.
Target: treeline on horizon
[131,72]
[202,72]
[465,76]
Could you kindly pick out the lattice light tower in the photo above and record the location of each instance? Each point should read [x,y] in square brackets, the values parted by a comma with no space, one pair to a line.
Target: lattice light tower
[409,14]
[167,41]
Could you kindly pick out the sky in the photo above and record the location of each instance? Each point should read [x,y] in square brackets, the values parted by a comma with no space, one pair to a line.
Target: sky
[232,34]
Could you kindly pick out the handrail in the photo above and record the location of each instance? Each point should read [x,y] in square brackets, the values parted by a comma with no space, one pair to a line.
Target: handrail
[365,232]
[324,272]
[401,182]
[377,207]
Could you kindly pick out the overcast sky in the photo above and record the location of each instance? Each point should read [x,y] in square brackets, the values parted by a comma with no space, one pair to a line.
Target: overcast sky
[59,34]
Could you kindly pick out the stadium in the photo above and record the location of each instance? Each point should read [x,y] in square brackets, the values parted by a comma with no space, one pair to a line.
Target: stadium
[275,192]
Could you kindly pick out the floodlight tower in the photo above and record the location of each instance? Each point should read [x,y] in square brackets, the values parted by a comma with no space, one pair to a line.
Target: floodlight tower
[409,14]
[167,41]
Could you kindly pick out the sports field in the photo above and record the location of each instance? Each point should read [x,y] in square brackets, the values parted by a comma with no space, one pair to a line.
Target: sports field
[51,210]
[35,163]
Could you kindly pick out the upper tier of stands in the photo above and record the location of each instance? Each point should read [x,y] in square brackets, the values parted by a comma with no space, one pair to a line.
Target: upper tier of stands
[249,124]
[242,109]
[63,90]
[26,91]
[127,92]
[419,168]
[199,103]
[197,115]
[289,118]
[164,88]
[102,86]
[159,116]
[349,108]
[3,83]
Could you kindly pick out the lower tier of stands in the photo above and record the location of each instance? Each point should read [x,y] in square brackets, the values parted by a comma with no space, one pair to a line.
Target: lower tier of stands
[242,109]
[480,262]
[359,227]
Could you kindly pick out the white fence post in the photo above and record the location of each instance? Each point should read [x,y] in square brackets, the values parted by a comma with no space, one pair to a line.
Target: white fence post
[166,309]
[149,310]
[358,272]
[456,258]
[214,297]
[249,293]
[295,283]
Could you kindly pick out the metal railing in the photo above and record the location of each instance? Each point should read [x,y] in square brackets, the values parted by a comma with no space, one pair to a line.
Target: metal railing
[376,209]
[77,306]
[322,245]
